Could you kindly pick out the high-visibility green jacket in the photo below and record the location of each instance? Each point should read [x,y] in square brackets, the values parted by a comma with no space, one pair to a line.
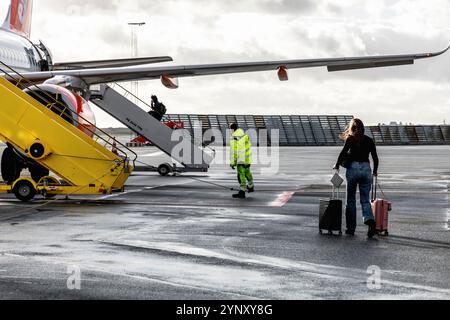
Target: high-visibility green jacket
[241,152]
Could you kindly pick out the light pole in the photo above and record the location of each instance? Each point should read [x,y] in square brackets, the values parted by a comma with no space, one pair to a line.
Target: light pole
[135,53]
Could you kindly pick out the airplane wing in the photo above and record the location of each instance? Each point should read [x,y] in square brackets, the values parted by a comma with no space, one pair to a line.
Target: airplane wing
[117,63]
[105,75]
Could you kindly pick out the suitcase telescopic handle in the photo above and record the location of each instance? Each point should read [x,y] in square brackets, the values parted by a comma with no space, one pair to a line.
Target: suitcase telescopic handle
[335,193]
[374,188]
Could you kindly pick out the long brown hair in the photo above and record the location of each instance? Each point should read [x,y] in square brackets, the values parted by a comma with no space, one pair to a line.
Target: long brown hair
[354,131]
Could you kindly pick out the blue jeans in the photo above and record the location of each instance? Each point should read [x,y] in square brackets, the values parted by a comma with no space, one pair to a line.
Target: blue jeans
[360,174]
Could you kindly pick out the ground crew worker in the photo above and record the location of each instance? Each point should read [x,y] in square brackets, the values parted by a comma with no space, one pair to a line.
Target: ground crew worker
[158,108]
[241,159]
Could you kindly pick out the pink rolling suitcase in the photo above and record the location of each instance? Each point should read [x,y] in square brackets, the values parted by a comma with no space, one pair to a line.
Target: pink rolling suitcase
[380,208]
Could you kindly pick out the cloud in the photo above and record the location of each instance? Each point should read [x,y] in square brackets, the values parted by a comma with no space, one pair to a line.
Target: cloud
[206,31]
[289,6]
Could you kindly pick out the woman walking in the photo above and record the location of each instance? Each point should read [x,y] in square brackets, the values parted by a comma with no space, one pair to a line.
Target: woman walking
[355,158]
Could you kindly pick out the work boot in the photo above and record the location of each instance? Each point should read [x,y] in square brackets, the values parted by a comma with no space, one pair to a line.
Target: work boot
[240,195]
[349,232]
[372,228]
[250,190]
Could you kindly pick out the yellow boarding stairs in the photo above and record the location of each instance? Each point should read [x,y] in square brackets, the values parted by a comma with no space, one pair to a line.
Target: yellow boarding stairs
[85,166]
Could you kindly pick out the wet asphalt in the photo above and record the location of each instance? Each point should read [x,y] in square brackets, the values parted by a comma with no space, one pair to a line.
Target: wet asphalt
[184,237]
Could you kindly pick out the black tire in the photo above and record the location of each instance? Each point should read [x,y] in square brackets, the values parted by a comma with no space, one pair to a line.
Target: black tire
[38,172]
[24,190]
[10,166]
[164,170]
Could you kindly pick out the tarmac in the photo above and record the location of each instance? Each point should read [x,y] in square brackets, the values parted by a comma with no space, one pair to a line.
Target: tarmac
[184,237]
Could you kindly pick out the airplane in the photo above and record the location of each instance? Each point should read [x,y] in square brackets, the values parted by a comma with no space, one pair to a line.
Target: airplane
[72,80]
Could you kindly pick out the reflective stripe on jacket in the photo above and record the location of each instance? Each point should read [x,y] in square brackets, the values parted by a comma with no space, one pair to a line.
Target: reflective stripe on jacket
[241,152]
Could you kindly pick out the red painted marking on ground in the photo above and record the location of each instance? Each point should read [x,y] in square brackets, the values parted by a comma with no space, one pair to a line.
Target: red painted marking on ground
[282,199]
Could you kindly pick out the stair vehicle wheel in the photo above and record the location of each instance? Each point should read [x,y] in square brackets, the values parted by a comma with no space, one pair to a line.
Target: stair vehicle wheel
[10,166]
[164,169]
[24,190]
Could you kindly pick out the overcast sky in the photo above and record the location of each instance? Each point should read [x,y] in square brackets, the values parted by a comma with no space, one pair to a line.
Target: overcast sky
[206,31]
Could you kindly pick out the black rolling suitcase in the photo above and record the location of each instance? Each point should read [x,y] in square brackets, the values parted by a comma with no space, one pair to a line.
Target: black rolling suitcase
[330,214]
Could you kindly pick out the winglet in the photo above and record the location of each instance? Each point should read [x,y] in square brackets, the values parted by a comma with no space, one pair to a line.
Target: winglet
[431,54]
[440,52]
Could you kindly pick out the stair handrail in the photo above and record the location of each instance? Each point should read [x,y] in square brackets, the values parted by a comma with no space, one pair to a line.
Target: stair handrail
[21,79]
[165,117]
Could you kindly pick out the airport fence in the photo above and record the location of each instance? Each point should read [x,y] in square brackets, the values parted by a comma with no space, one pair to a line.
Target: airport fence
[315,130]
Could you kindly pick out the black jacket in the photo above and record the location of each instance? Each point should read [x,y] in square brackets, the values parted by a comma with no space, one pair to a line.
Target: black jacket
[359,152]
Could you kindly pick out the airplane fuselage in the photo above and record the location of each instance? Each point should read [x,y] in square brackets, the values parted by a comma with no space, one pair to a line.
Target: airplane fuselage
[19,53]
